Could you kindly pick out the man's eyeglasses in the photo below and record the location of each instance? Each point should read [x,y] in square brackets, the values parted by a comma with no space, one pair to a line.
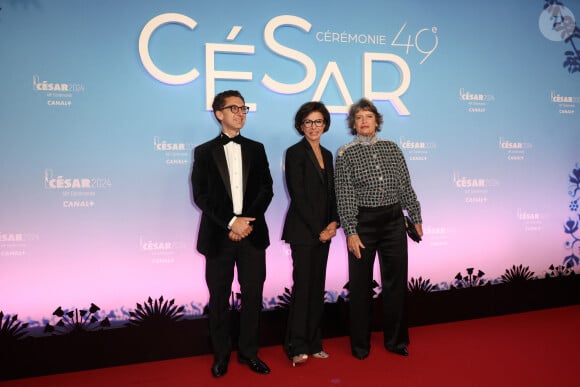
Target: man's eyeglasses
[308,123]
[235,109]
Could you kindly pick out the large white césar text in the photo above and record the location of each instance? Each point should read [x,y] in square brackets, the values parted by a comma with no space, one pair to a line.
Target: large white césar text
[331,69]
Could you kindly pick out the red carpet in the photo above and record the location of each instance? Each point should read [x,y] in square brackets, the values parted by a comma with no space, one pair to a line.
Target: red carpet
[533,349]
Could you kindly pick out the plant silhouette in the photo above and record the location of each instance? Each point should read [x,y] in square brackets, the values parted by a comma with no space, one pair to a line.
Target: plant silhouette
[284,299]
[155,312]
[560,271]
[76,321]
[517,274]
[574,182]
[566,26]
[470,280]
[419,286]
[571,226]
[11,329]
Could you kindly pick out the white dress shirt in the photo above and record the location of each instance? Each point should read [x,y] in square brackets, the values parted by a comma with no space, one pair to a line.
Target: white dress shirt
[233,154]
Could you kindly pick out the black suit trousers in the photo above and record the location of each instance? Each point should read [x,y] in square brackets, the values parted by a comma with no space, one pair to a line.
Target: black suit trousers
[382,231]
[303,333]
[219,272]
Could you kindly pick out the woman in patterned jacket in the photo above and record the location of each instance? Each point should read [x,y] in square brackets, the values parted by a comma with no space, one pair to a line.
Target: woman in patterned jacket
[373,187]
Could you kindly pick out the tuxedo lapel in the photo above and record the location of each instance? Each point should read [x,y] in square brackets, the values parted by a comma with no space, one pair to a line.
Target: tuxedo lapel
[246,161]
[313,160]
[219,157]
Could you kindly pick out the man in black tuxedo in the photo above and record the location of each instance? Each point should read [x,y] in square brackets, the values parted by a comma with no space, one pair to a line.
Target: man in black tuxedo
[232,185]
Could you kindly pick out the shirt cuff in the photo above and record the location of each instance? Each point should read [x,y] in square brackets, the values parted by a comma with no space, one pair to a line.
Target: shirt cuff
[231,223]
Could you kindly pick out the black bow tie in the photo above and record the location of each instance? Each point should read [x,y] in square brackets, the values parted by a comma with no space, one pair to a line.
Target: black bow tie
[225,139]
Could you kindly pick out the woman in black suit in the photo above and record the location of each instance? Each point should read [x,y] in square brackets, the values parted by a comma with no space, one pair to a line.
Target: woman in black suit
[311,223]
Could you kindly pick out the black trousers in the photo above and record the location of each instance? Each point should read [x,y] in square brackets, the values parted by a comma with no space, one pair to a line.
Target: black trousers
[303,334]
[219,274]
[382,231]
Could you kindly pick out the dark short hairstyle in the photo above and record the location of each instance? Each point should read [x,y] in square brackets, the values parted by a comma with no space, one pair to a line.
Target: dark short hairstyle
[306,109]
[363,104]
[220,100]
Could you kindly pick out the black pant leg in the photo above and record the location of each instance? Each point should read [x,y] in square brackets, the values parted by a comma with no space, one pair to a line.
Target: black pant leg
[251,266]
[316,300]
[219,274]
[360,274]
[393,260]
[296,341]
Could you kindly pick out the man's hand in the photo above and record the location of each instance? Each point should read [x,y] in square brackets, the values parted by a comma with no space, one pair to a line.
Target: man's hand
[234,237]
[241,227]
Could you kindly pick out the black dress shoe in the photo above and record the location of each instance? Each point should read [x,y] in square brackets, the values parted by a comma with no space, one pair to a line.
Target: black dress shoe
[255,364]
[361,356]
[359,353]
[399,351]
[219,368]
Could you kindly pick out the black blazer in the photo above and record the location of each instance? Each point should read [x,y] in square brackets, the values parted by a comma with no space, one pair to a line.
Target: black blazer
[212,193]
[312,197]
